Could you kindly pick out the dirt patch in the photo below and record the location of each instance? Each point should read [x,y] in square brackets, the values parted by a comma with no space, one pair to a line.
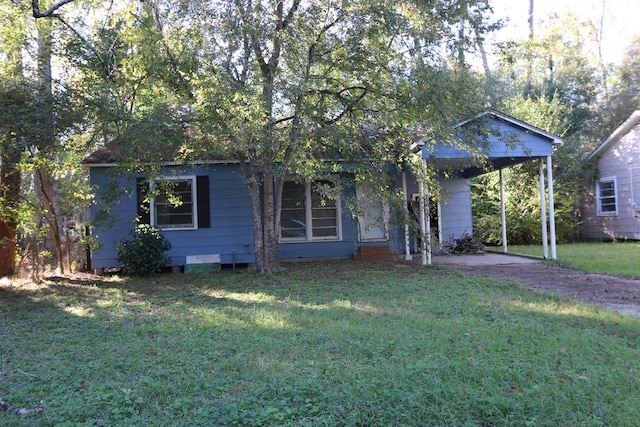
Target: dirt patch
[608,292]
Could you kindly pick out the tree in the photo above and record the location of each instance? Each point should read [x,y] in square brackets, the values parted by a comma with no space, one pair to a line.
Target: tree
[36,118]
[283,84]
[294,80]
[625,91]
[549,80]
[287,88]
[14,107]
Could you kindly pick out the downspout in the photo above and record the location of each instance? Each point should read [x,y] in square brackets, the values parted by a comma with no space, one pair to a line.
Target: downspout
[407,247]
[503,214]
[543,211]
[552,219]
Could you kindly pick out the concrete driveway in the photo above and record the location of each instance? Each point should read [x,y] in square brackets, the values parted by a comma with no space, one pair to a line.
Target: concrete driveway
[488,258]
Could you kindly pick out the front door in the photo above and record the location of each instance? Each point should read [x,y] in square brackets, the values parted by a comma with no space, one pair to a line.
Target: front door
[373,216]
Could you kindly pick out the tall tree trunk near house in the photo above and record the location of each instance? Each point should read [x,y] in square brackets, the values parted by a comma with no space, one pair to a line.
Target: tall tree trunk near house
[9,195]
[11,151]
[461,42]
[264,194]
[603,66]
[530,65]
[45,180]
[483,55]
[271,264]
[255,192]
[47,191]
[530,19]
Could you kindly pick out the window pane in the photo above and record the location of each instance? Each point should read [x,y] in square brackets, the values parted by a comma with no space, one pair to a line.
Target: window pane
[292,213]
[608,205]
[607,196]
[323,213]
[324,232]
[324,222]
[174,205]
[296,209]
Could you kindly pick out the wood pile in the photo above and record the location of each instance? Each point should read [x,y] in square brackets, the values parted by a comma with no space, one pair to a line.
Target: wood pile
[468,245]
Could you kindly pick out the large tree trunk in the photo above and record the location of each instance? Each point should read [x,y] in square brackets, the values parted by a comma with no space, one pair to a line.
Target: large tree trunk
[270,238]
[263,191]
[10,156]
[47,191]
[9,196]
[256,212]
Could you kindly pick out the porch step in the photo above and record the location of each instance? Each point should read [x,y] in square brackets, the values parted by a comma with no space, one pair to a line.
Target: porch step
[374,252]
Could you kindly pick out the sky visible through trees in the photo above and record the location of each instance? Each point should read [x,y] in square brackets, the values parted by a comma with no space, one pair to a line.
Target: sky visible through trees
[619,20]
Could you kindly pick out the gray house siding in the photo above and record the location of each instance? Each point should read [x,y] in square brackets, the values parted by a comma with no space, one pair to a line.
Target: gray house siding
[453,207]
[619,163]
[454,210]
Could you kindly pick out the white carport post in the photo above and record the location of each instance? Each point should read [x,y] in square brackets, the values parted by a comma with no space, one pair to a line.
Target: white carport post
[425,226]
[543,211]
[407,247]
[552,218]
[503,213]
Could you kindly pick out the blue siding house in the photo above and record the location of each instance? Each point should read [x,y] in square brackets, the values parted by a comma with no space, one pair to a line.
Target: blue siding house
[215,215]
[221,225]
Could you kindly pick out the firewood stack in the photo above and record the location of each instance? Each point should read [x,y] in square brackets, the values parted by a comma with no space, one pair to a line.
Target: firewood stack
[468,245]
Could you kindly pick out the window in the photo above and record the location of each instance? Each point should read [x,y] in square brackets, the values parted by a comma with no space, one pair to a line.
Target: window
[172,207]
[176,203]
[606,196]
[307,213]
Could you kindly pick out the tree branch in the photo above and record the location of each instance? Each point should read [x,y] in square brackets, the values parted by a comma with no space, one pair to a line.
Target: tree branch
[91,47]
[349,106]
[284,23]
[37,13]
[173,61]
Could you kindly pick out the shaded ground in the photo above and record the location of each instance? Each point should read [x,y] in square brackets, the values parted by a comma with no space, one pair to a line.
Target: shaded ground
[608,292]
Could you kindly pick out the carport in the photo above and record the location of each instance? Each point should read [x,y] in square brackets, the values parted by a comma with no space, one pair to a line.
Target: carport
[491,141]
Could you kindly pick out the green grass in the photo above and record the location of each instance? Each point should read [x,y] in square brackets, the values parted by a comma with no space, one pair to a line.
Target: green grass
[335,344]
[618,258]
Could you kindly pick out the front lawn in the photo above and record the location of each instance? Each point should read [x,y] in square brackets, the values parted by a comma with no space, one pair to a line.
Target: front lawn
[324,344]
[618,258]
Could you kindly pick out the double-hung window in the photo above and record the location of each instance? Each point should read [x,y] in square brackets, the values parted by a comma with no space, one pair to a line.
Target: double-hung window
[173,205]
[606,195]
[308,213]
[174,202]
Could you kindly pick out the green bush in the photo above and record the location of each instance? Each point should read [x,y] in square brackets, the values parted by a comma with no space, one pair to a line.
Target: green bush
[143,253]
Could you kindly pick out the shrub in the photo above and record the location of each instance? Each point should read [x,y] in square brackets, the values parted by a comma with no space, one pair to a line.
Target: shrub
[143,253]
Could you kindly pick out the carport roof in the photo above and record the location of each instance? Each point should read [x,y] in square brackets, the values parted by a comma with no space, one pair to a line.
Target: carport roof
[489,141]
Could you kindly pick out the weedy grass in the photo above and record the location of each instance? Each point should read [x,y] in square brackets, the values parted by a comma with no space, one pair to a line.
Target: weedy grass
[324,344]
[617,258]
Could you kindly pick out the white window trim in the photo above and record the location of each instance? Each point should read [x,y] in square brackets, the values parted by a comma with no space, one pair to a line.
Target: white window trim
[615,190]
[194,196]
[309,222]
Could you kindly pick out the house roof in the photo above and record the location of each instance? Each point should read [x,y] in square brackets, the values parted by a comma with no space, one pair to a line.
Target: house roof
[505,141]
[499,141]
[117,151]
[622,130]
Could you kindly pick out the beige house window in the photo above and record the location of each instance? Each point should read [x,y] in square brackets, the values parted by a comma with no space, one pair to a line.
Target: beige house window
[606,195]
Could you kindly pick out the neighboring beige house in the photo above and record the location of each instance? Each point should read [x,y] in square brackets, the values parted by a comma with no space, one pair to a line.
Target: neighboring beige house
[613,209]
